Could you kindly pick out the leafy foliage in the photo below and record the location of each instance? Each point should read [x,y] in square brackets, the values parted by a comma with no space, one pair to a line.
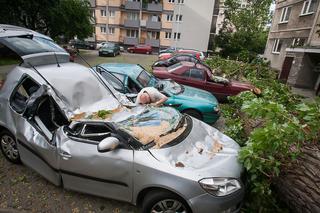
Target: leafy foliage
[56,18]
[271,129]
[244,34]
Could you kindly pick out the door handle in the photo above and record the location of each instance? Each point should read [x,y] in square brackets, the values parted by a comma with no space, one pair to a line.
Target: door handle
[65,155]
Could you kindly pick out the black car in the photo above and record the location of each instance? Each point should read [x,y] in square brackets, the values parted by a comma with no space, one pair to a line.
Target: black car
[80,44]
[176,59]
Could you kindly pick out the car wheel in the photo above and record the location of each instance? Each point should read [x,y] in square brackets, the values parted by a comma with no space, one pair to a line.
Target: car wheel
[162,201]
[193,113]
[9,147]
[114,54]
[147,53]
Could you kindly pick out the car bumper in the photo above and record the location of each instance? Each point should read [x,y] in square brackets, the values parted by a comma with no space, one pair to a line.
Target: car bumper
[106,53]
[207,203]
[211,117]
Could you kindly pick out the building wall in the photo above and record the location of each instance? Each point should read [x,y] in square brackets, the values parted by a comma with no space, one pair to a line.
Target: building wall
[298,26]
[196,24]
[194,28]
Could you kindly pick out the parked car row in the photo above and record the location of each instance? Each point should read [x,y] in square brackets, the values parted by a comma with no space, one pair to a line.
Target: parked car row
[69,124]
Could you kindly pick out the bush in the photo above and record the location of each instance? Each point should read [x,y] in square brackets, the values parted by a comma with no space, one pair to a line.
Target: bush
[271,129]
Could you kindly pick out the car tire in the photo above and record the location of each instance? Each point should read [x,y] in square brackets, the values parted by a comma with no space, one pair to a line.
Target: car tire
[8,146]
[163,201]
[114,54]
[148,53]
[193,113]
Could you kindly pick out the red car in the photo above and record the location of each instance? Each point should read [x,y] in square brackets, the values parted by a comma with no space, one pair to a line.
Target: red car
[200,76]
[197,54]
[146,49]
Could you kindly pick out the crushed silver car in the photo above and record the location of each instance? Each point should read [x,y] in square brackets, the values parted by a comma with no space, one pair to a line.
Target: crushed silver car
[68,124]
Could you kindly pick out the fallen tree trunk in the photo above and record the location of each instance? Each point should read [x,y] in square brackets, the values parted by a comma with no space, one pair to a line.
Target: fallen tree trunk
[299,184]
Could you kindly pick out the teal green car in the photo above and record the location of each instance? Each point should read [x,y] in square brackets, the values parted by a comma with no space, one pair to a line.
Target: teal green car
[109,49]
[131,78]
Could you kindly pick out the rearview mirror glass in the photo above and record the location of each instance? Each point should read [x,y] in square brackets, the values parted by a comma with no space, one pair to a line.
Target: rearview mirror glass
[108,144]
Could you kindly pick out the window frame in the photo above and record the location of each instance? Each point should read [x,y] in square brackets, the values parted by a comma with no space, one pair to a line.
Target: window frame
[284,15]
[307,11]
[103,31]
[199,70]
[111,30]
[112,13]
[275,46]
[15,90]
[167,35]
[103,13]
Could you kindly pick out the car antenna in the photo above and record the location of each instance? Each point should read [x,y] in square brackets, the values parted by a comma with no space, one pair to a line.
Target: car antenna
[55,55]
[44,78]
[85,60]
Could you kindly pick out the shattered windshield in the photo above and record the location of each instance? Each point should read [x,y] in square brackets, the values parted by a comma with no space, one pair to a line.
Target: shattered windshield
[152,126]
[171,87]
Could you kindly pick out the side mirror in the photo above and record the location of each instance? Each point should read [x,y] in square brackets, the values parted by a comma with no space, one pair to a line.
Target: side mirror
[108,144]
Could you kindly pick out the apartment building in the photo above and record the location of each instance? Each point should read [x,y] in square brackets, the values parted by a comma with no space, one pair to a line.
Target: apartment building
[293,45]
[159,23]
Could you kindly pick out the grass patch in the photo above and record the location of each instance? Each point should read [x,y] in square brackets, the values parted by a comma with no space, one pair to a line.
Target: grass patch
[9,61]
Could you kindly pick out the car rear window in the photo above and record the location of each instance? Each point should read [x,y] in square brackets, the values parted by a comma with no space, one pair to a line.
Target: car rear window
[31,45]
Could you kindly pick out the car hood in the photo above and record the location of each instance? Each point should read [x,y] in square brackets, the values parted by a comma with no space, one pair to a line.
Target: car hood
[191,93]
[241,85]
[205,151]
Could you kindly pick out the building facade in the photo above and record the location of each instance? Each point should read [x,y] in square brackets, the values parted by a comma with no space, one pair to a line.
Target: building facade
[159,23]
[293,45]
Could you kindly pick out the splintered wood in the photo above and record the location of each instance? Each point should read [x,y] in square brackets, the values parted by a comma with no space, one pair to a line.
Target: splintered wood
[147,134]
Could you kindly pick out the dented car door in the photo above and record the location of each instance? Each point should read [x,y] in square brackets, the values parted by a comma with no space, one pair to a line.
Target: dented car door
[84,169]
[34,129]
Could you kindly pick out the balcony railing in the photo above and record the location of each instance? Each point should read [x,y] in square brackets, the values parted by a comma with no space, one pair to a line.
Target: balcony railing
[155,25]
[132,5]
[132,23]
[130,41]
[153,42]
[153,7]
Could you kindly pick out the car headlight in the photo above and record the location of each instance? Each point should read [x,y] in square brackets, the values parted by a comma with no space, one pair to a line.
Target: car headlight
[220,186]
[216,109]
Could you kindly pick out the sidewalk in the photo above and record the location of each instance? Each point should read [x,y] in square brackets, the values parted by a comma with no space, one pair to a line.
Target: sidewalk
[309,94]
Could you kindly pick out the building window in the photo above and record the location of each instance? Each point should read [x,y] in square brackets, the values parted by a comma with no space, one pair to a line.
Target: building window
[169,17]
[180,1]
[171,1]
[132,33]
[298,42]
[168,35]
[308,7]
[133,16]
[285,14]
[178,18]
[153,35]
[103,29]
[177,36]
[111,30]
[103,13]
[112,13]
[276,46]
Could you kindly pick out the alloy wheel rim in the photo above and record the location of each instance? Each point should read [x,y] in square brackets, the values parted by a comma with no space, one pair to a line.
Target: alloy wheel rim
[9,147]
[169,206]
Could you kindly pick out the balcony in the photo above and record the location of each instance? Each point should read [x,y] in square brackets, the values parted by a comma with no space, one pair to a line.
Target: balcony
[130,41]
[132,5]
[153,7]
[132,23]
[153,42]
[155,25]
[92,3]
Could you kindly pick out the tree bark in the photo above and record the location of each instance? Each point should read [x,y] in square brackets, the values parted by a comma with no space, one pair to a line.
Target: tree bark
[299,184]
